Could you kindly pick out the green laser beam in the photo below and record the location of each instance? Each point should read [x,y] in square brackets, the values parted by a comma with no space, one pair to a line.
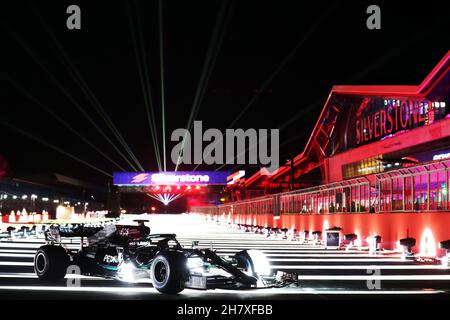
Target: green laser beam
[146,77]
[161,62]
[86,89]
[66,93]
[40,140]
[61,120]
[283,63]
[144,81]
[219,30]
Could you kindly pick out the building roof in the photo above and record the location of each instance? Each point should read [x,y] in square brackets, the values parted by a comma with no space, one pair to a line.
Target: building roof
[421,90]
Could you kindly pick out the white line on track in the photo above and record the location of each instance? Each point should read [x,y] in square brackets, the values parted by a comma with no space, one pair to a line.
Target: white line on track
[15,263]
[34,276]
[85,289]
[255,292]
[340,260]
[37,245]
[332,255]
[17,255]
[378,277]
[269,250]
[17,251]
[361,267]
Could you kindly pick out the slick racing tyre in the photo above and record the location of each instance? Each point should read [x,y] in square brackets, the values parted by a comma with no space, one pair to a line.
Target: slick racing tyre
[51,262]
[169,272]
[253,263]
[245,263]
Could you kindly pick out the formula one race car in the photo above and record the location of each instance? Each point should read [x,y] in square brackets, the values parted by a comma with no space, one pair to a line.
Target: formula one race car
[130,253]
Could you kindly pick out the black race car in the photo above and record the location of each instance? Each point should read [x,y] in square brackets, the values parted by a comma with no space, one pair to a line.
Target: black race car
[130,253]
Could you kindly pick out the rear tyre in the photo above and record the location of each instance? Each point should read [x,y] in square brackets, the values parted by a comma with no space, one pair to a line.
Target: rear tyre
[169,272]
[51,262]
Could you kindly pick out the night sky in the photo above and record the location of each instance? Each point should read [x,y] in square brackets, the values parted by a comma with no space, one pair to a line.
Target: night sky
[333,46]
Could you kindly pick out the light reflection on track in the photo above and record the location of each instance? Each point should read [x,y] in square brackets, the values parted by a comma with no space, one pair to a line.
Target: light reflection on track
[322,272]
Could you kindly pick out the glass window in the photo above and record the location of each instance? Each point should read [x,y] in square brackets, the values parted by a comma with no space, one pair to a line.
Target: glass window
[420,192]
[446,190]
[315,201]
[339,200]
[364,198]
[354,201]
[438,191]
[323,202]
[408,194]
[385,195]
[332,201]
[397,193]
[346,199]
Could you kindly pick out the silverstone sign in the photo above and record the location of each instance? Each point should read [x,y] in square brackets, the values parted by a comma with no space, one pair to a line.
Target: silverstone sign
[394,116]
[170,178]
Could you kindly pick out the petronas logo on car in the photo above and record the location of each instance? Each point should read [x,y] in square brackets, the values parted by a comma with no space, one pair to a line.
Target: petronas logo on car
[110,259]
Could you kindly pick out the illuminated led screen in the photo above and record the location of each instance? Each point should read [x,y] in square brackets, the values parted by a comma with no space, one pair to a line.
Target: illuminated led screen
[170,178]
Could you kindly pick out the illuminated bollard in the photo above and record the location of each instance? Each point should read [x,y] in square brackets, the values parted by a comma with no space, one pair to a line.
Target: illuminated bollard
[290,234]
[373,242]
[32,231]
[407,244]
[11,232]
[25,231]
[294,235]
[317,237]
[351,237]
[303,236]
[275,232]
[446,246]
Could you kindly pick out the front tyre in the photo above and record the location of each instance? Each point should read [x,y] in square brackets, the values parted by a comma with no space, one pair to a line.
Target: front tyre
[51,262]
[245,263]
[253,263]
[168,272]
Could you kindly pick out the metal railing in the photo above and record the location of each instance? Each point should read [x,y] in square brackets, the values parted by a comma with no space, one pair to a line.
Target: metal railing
[419,188]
